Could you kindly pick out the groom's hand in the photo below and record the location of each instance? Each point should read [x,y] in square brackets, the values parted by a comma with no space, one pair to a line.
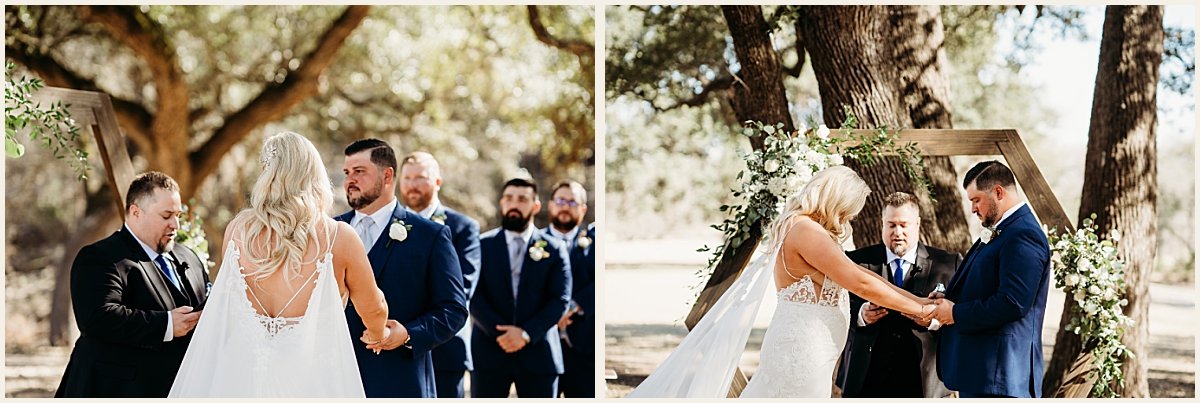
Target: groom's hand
[944,312]
[512,340]
[183,320]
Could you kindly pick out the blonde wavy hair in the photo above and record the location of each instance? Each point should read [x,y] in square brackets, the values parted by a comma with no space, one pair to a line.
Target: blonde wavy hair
[832,198]
[289,198]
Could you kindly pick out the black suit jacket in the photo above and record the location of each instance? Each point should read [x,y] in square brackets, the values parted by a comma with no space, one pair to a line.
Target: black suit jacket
[582,331]
[121,298]
[933,266]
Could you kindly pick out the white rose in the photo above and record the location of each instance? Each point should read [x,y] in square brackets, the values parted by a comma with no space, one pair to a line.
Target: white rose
[836,159]
[823,132]
[398,232]
[1094,290]
[814,156]
[1090,308]
[804,174]
[537,253]
[1109,294]
[778,186]
[1071,280]
[1079,296]
[1085,265]
[771,166]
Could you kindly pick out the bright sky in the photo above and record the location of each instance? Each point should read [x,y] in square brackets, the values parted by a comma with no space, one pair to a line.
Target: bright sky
[1066,70]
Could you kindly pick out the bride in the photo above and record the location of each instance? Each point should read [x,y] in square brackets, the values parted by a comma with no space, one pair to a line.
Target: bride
[808,329]
[274,324]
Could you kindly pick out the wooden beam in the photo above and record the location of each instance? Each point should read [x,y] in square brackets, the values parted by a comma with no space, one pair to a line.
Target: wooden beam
[94,111]
[1037,191]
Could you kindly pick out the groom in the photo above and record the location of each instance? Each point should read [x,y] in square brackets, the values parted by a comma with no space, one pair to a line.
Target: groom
[992,311]
[415,266]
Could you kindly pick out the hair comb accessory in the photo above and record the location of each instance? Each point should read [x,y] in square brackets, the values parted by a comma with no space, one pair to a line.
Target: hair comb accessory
[269,155]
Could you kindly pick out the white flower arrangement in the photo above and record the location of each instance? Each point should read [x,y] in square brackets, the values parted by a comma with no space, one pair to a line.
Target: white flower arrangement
[788,160]
[1086,267]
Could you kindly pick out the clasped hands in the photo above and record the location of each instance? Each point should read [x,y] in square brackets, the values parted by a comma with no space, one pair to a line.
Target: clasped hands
[936,307]
[394,335]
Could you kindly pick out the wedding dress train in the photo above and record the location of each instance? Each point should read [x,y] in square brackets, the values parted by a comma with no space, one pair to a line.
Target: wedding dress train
[238,352]
[799,352]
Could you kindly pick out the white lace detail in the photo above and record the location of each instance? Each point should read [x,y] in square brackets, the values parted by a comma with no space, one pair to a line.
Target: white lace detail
[277,325]
[802,345]
[805,292]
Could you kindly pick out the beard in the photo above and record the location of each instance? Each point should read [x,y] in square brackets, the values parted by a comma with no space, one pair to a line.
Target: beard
[515,221]
[564,222]
[164,246]
[365,196]
[415,199]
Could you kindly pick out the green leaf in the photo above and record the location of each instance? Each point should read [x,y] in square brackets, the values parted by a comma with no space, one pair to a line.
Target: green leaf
[13,149]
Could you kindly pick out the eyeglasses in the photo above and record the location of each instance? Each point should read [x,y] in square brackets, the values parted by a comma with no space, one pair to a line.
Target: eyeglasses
[565,202]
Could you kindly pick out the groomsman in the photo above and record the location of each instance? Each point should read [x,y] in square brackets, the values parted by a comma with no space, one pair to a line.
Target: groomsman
[137,296]
[577,328]
[993,308]
[524,289]
[415,266]
[886,353]
[420,182]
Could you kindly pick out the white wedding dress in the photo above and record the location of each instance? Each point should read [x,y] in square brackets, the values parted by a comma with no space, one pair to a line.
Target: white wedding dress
[799,353]
[238,352]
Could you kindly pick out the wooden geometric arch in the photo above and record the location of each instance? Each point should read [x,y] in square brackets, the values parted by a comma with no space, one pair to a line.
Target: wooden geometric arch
[932,142]
[94,111]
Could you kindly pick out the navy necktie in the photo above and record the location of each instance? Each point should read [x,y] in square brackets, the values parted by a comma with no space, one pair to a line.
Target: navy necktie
[898,275]
[162,264]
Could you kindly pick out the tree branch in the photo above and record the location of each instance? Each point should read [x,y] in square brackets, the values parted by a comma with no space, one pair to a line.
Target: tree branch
[147,39]
[721,83]
[277,99]
[131,116]
[578,47]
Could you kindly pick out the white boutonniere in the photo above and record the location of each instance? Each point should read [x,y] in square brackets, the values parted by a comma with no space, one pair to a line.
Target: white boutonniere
[584,242]
[987,235]
[398,232]
[538,250]
[439,218]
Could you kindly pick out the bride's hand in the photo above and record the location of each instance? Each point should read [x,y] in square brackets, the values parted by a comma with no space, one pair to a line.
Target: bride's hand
[927,311]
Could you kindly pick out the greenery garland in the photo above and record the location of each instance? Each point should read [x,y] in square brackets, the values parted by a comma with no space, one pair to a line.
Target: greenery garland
[787,161]
[53,126]
[1087,269]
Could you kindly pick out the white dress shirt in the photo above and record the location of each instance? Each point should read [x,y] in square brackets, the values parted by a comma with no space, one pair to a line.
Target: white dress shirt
[427,213]
[910,259]
[565,237]
[1009,213]
[381,219]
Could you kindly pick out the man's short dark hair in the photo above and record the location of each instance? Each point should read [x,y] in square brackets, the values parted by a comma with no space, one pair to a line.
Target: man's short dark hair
[988,174]
[575,187]
[143,186]
[520,183]
[382,154]
[901,199]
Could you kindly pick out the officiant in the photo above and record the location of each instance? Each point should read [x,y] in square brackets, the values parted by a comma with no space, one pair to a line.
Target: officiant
[887,354]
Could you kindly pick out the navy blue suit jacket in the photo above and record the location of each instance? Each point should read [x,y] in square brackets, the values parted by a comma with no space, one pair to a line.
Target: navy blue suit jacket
[454,355]
[999,292]
[582,331]
[422,283]
[543,294]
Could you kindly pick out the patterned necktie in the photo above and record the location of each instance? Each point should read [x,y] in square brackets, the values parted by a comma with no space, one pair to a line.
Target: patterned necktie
[162,265]
[898,275]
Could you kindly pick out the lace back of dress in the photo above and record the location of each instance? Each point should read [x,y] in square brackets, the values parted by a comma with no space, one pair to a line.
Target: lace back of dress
[277,324]
[804,290]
